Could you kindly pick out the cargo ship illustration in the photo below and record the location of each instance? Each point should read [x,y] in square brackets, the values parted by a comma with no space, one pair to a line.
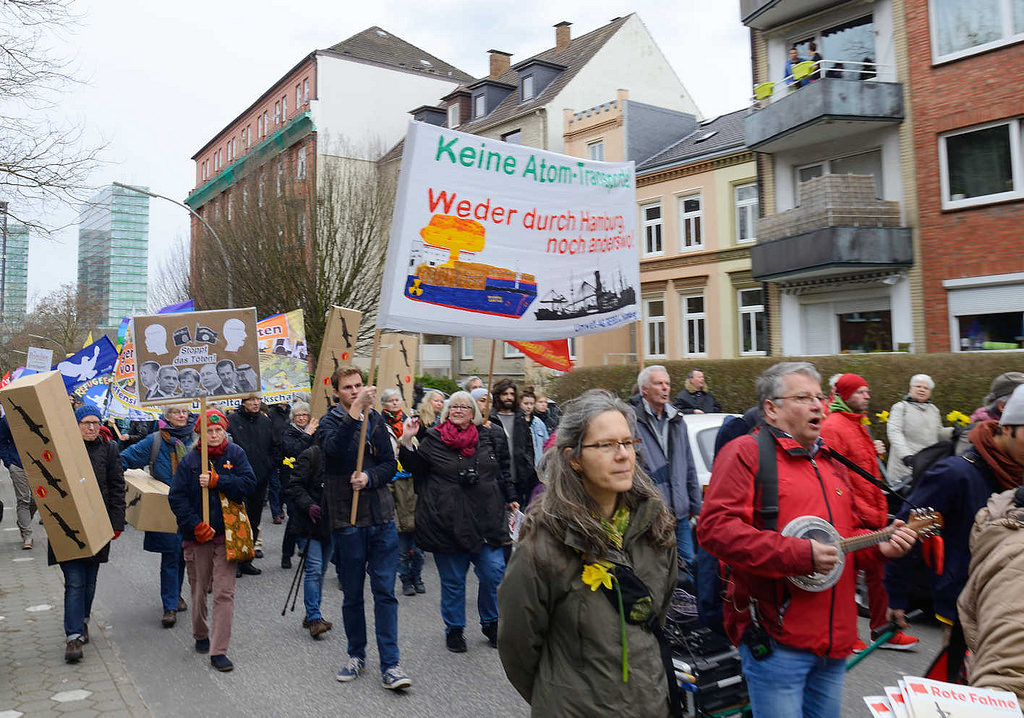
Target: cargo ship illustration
[440,277]
[592,298]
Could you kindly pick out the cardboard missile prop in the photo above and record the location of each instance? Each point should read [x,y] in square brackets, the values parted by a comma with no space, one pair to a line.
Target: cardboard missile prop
[337,349]
[397,366]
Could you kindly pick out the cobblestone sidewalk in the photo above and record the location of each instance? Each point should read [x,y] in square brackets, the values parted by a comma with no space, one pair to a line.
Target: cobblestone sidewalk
[34,679]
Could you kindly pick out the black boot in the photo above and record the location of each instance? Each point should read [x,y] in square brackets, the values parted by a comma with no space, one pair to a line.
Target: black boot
[455,641]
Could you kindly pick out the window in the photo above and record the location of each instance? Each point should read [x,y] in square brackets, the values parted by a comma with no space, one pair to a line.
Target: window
[229,151]
[280,178]
[305,91]
[848,49]
[453,115]
[465,348]
[861,332]
[572,348]
[981,165]
[527,88]
[259,190]
[245,198]
[690,216]
[479,106]
[298,96]
[746,211]
[248,135]
[230,208]
[511,352]
[652,230]
[694,325]
[300,163]
[277,113]
[302,227]
[654,327]
[595,151]
[752,331]
[965,27]
[1001,330]
[515,137]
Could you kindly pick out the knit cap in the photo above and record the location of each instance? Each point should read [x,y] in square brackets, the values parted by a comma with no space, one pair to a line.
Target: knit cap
[87,410]
[1003,385]
[1013,412]
[478,393]
[213,416]
[849,383]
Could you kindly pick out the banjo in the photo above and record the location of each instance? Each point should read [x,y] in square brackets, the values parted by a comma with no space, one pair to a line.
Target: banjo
[926,522]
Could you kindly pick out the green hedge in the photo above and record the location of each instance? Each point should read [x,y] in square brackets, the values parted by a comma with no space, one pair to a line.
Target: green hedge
[961,380]
[448,386]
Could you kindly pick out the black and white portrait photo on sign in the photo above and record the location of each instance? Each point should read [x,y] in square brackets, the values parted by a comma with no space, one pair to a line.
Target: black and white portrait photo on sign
[192,355]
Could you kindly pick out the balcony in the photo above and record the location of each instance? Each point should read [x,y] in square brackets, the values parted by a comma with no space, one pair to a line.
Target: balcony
[766,14]
[839,228]
[822,111]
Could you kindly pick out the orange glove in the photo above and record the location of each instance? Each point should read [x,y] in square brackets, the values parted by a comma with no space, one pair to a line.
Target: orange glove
[116,534]
[214,478]
[203,532]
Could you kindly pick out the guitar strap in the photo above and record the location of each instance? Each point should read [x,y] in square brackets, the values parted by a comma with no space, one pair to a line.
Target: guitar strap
[868,477]
[767,479]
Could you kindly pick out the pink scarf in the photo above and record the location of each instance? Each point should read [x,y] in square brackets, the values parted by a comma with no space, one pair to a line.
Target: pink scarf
[463,441]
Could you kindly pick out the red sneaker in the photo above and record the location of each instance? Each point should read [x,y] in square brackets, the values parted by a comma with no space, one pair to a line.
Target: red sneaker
[900,642]
[859,646]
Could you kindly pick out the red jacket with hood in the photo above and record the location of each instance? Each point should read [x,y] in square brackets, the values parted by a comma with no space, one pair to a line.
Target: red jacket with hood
[823,623]
[845,432]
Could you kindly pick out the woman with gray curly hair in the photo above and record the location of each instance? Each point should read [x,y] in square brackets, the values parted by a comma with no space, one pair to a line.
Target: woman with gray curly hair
[914,423]
[588,586]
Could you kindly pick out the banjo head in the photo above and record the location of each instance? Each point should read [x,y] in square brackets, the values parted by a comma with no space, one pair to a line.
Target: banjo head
[817,528]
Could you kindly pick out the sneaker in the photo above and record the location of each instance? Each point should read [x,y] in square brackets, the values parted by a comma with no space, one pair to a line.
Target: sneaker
[317,627]
[394,679]
[182,606]
[408,589]
[900,642]
[455,641]
[221,663]
[27,544]
[491,631]
[420,588]
[202,645]
[73,651]
[859,646]
[351,671]
[169,619]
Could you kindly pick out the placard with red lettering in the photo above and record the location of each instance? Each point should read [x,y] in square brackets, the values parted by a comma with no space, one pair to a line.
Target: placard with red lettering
[503,241]
[926,698]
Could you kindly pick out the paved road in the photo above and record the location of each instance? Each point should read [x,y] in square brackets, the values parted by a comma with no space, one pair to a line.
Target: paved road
[278,668]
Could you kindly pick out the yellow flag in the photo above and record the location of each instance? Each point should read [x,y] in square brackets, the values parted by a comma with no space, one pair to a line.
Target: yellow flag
[88,340]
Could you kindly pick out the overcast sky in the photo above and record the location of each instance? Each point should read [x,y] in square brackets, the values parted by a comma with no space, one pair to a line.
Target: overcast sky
[160,79]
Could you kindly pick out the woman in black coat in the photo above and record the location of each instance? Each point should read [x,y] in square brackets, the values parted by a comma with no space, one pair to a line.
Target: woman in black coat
[297,437]
[80,573]
[460,512]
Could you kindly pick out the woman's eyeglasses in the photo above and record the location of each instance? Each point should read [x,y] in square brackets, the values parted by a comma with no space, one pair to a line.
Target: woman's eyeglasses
[461,407]
[610,447]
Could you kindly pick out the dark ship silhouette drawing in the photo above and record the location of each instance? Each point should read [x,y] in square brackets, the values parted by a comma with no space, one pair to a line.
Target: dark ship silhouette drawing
[591,298]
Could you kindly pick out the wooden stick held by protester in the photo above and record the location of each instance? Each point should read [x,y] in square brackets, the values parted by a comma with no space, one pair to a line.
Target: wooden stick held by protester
[362,427]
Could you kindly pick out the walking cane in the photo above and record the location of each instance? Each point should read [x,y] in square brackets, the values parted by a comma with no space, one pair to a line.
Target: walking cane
[295,579]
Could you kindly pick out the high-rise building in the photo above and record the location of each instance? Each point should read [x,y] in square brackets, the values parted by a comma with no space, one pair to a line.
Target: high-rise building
[14,270]
[113,252]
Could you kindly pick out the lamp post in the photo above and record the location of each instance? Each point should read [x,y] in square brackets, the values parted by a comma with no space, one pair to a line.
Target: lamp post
[220,245]
[52,341]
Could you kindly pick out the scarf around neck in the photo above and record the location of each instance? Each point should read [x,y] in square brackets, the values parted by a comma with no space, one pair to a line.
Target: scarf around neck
[463,441]
[1009,474]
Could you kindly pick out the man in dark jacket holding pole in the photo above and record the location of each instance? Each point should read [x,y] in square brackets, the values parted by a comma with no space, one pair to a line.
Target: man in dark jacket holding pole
[665,454]
[254,432]
[370,546]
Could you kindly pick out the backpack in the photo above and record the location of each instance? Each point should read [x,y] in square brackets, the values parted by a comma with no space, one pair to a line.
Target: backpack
[923,460]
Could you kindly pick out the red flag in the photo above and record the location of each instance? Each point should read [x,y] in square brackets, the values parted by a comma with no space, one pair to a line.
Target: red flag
[553,354]
[6,380]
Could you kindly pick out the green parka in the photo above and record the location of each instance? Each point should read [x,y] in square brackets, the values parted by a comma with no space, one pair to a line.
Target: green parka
[560,642]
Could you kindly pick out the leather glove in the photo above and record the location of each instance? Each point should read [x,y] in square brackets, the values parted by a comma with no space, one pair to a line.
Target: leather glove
[315,512]
[908,461]
[203,532]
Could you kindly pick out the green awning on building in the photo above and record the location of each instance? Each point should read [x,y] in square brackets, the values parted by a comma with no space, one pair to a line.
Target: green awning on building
[295,130]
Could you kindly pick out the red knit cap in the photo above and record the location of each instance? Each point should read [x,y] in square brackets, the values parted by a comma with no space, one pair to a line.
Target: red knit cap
[213,416]
[849,383]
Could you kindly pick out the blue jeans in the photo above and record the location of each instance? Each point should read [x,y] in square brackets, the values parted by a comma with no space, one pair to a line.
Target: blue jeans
[172,575]
[793,684]
[369,550]
[79,589]
[410,558]
[489,565]
[684,543]
[317,556]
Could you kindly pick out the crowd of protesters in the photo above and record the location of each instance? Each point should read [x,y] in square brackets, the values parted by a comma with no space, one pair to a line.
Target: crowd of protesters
[445,475]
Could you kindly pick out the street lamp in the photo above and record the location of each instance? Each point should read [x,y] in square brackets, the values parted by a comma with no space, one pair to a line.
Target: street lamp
[220,245]
[52,341]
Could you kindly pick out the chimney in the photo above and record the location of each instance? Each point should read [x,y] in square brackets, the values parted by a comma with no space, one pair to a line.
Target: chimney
[500,63]
[562,35]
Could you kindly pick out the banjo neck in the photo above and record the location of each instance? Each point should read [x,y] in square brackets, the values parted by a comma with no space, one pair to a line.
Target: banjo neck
[925,521]
[863,541]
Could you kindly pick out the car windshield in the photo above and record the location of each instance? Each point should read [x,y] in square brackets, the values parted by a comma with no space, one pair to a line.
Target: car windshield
[706,442]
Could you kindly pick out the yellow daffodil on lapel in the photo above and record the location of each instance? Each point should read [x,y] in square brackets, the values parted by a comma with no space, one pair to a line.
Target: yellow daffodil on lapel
[883,416]
[289,461]
[595,575]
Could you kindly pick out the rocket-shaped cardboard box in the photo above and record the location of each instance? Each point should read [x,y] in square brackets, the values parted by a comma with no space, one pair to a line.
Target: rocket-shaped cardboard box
[57,464]
[146,505]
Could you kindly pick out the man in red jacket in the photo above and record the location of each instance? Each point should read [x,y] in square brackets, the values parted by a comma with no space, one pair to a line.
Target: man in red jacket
[845,430]
[792,642]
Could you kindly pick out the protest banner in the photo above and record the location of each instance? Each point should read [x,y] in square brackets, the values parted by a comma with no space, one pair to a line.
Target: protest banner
[337,349]
[124,393]
[504,241]
[284,357]
[87,363]
[205,355]
[397,365]
[39,359]
[552,354]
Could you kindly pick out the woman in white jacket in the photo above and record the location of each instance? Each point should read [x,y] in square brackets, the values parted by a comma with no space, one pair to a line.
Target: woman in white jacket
[914,423]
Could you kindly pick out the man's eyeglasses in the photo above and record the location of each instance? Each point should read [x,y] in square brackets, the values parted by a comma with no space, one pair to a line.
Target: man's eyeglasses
[610,447]
[805,399]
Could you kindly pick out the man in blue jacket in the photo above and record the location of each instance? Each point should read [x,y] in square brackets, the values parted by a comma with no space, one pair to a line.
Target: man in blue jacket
[665,453]
[370,545]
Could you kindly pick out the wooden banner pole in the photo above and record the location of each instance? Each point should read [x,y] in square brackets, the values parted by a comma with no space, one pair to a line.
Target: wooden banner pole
[362,426]
[490,370]
[205,465]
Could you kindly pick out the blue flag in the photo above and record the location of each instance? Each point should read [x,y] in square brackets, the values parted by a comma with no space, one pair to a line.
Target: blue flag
[189,305]
[94,360]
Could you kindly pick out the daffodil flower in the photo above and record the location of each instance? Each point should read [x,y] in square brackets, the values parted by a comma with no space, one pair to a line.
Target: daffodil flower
[289,461]
[958,417]
[595,575]
[883,417]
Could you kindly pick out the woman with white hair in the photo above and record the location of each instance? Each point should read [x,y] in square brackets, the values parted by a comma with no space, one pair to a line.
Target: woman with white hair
[914,423]
[460,511]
